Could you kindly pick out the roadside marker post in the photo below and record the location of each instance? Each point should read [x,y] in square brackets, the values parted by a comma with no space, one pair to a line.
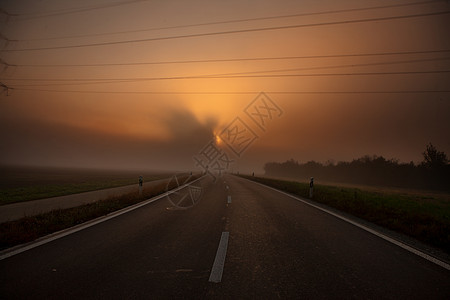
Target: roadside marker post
[311,187]
[141,182]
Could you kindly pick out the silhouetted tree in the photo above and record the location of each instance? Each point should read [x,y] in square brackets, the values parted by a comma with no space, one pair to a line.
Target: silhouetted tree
[432,173]
[434,159]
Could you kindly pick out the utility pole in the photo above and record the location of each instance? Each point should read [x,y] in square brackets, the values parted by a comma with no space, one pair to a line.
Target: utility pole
[5,88]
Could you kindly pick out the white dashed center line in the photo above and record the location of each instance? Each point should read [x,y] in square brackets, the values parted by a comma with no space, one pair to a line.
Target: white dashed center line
[219,261]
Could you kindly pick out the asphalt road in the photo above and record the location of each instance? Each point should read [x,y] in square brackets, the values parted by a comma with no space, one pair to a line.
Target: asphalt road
[277,248]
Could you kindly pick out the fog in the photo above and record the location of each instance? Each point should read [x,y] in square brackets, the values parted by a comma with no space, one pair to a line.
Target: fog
[345,90]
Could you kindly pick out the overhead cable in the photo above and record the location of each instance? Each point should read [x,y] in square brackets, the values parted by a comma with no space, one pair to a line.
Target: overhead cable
[136,79]
[236,59]
[217,33]
[240,92]
[238,20]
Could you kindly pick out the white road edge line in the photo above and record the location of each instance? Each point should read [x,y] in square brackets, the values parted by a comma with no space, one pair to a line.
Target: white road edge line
[219,261]
[378,234]
[65,232]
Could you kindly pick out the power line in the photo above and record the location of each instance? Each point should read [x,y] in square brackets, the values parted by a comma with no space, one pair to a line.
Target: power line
[240,92]
[5,88]
[239,20]
[355,21]
[232,59]
[333,74]
[30,16]
[335,66]
[77,83]
[230,76]
[226,75]
[7,14]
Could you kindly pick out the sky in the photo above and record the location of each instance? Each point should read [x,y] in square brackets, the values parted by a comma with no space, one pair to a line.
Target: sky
[149,84]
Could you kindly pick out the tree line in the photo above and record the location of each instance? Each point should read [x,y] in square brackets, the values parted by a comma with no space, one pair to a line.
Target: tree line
[432,173]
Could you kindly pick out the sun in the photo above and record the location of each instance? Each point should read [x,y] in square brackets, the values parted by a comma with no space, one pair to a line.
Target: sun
[218,140]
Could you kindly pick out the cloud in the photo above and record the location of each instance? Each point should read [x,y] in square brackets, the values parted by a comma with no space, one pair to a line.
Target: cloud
[39,142]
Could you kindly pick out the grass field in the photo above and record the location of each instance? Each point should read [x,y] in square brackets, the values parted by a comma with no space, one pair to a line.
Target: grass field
[19,184]
[423,217]
[30,228]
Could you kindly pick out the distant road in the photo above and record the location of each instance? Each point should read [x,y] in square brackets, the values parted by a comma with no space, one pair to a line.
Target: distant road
[276,247]
[18,210]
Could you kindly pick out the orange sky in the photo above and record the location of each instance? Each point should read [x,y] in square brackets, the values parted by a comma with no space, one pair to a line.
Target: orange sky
[63,115]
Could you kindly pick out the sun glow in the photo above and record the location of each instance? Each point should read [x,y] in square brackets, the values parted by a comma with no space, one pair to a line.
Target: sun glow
[218,140]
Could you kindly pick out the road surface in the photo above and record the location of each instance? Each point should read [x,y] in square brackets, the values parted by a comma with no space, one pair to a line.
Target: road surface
[277,247]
